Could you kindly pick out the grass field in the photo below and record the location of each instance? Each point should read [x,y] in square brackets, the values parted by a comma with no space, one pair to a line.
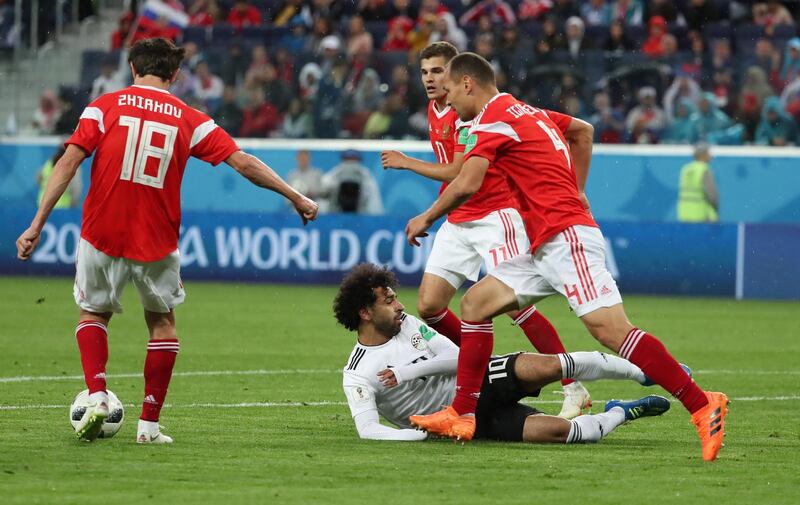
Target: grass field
[286,435]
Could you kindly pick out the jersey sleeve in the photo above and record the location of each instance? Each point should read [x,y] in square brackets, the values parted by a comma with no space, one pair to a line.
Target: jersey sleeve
[484,143]
[561,121]
[211,143]
[360,394]
[462,134]
[89,131]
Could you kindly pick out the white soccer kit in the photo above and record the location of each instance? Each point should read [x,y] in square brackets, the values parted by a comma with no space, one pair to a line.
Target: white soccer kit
[424,363]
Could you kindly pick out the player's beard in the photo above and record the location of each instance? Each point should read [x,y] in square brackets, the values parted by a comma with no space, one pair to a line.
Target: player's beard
[389,327]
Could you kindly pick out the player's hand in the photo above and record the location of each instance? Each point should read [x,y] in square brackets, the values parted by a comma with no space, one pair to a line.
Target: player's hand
[417,227]
[306,208]
[393,159]
[387,378]
[584,201]
[26,243]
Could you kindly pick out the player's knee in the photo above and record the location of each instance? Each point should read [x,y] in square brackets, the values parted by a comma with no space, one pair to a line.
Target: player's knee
[471,308]
[428,306]
[610,335]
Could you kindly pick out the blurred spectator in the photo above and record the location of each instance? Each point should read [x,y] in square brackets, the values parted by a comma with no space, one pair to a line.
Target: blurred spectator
[699,13]
[776,128]
[320,30]
[510,48]
[330,51]
[305,178]
[418,123]
[447,30]
[328,9]
[297,122]
[259,61]
[681,127]
[308,82]
[645,121]
[768,59]
[204,13]
[229,115]
[421,35]
[670,59]
[721,55]
[666,9]
[698,197]
[284,66]
[596,13]
[533,10]
[109,79]
[69,115]
[790,68]
[374,10]
[429,10]
[696,62]
[790,98]
[295,41]
[657,29]
[208,88]
[71,199]
[288,10]
[397,37]
[498,10]
[630,12]
[389,121]
[708,119]
[234,65]
[351,187]
[484,46]
[771,14]
[550,40]
[722,86]
[618,41]
[609,125]
[244,14]
[564,9]
[329,101]
[123,31]
[359,40]
[755,90]
[682,87]
[46,114]
[259,117]
[366,95]
[403,8]
[485,27]
[576,41]
[276,91]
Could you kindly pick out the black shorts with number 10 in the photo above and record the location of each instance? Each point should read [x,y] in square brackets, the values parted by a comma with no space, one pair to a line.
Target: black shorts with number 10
[500,415]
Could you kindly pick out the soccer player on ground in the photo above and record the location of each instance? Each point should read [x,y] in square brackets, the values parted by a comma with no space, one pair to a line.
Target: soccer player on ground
[487,229]
[567,253]
[141,138]
[400,366]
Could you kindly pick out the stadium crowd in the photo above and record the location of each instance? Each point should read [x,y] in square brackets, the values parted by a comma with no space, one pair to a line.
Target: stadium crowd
[655,71]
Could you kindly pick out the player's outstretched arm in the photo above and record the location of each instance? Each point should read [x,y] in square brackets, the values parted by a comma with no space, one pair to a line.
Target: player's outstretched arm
[462,188]
[436,171]
[260,174]
[580,136]
[370,428]
[63,172]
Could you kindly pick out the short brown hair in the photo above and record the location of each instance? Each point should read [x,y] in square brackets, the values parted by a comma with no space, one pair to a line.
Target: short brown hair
[473,65]
[357,292]
[159,57]
[442,48]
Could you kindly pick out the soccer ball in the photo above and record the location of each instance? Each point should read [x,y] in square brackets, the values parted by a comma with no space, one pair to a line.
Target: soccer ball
[116,413]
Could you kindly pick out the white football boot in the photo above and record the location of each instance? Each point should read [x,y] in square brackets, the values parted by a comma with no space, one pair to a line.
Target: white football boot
[150,433]
[576,399]
[91,424]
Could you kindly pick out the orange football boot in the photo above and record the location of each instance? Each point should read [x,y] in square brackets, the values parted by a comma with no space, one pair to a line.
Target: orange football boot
[446,423]
[710,424]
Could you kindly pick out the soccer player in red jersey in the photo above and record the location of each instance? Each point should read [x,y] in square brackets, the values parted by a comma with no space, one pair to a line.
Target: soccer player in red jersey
[486,230]
[141,138]
[567,253]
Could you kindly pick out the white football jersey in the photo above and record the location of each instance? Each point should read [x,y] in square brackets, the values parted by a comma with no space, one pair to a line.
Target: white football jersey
[414,350]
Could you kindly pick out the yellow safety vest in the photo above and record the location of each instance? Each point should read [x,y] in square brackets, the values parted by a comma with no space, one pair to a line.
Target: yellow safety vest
[692,204]
[65,201]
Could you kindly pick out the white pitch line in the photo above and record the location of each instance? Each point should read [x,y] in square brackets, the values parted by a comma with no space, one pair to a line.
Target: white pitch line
[247,405]
[302,371]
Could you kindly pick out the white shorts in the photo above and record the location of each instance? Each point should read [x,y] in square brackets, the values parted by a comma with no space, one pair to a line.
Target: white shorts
[460,248]
[100,280]
[572,263]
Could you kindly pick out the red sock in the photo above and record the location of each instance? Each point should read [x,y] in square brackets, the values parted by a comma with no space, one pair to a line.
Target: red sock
[649,354]
[477,340]
[158,365]
[446,323]
[92,339]
[541,334]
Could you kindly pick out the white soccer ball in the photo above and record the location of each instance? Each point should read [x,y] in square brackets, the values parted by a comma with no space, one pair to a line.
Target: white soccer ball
[116,413]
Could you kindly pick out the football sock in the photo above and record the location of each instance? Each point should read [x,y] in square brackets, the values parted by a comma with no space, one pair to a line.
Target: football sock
[649,354]
[477,340]
[592,366]
[592,428]
[158,366]
[542,335]
[446,323]
[92,339]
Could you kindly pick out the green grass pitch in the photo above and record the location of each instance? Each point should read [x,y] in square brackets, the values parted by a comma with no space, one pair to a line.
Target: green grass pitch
[298,445]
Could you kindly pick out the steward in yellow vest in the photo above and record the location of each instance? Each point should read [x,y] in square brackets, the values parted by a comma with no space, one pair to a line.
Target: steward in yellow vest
[698,198]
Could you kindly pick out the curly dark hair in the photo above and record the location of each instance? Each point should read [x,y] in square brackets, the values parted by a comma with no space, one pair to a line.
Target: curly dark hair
[357,292]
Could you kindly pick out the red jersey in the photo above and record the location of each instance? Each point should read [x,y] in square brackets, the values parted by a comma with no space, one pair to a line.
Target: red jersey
[527,144]
[142,137]
[448,135]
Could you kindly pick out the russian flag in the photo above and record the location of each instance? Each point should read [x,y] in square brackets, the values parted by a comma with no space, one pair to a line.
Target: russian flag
[152,10]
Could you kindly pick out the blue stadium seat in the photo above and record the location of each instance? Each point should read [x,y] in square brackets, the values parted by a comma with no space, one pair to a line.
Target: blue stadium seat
[598,34]
[679,32]
[254,34]
[385,62]
[196,34]
[746,37]
[222,33]
[532,29]
[91,61]
[378,31]
[720,30]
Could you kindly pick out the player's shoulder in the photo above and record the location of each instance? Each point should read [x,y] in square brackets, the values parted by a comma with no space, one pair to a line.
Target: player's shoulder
[413,329]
